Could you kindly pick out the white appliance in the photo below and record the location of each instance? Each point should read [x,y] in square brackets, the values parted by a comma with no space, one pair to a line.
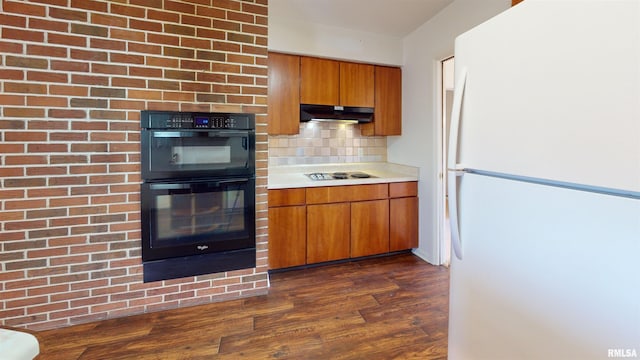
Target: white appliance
[544,179]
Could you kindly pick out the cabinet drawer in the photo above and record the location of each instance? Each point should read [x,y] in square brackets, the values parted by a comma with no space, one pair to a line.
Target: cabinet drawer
[328,194]
[369,192]
[285,197]
[332,194]
[403,189]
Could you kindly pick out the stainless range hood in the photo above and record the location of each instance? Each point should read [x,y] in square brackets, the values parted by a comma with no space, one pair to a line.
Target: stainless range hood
[336,113]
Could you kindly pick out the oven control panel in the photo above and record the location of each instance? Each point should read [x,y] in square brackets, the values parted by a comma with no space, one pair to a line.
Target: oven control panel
[189,120]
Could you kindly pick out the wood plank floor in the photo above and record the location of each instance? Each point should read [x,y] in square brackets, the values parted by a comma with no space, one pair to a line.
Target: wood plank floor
[394,307]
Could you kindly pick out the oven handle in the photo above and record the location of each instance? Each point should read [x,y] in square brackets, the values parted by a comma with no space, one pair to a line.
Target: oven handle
[202,133]
[190,185]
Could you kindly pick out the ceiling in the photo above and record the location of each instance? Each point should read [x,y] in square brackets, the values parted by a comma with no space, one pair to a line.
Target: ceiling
[395,18]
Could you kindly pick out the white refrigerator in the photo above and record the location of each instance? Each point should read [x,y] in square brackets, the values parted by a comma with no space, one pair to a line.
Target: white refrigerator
[544,184]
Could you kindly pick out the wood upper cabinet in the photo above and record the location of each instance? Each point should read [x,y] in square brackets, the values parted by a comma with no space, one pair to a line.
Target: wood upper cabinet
[283,94]
[388,103]
[320,81]
[369,227]
[331,82]
[356,84]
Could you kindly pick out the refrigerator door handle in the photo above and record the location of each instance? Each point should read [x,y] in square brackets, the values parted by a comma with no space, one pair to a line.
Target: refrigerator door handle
[455,170]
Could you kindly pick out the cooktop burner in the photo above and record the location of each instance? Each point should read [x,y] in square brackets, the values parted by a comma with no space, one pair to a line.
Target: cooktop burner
[338,175]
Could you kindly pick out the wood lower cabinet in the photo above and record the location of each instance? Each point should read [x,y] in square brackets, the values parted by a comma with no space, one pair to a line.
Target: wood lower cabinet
[287,236]
[403,216]
[369,227]
[403,223]
[287,228]
[328,230]
[319,224]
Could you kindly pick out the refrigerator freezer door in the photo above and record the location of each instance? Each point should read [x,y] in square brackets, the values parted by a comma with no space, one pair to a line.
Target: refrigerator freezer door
[548,273]
[553,91]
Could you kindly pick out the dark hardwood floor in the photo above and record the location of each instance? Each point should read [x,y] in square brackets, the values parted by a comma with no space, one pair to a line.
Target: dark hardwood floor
[393,307]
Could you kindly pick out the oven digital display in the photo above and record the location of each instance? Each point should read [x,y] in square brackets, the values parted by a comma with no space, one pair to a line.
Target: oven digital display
[201,121]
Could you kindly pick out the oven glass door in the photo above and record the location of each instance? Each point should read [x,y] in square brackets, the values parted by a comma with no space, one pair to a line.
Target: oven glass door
[170,154]
[190,218]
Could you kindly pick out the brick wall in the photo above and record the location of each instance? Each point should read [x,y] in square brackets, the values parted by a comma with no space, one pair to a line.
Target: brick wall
[74,75]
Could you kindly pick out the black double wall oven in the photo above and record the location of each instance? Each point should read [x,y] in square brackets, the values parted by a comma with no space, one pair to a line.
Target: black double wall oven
[198,193]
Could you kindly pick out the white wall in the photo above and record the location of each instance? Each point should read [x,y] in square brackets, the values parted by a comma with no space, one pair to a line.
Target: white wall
[294,37]
[419,144]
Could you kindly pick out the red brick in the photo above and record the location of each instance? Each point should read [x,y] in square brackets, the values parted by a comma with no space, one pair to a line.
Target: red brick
[48,148]
[68,136]
[47,290]
[23,265]
[254,9]
[88,169]
[46,192]
[106,179]
[212,34]
[109,20]
[46,101]
[49,170]
[69,40]
[74,66]
[23,159]
[10,172]
[108,69]
[10,99]
[211,12]
[67,90]
[70,201]
[68,313]
[67,180]
[11,148]
[66,241]
[39,76]
[71,295]
[162,39]
[23,35]
[69,221]
[98,6]
[179,7]
[23,112]
[163,16]
[25,88]
[89,55]
[24,8]
[97,43]
[89,125]
[42,24]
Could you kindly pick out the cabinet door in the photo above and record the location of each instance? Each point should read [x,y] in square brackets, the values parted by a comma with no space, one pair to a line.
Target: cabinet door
[403,223]
[283,94]
[319,81]
[356,84]
[327,232]
[388,103]
[287,236]
[369,227]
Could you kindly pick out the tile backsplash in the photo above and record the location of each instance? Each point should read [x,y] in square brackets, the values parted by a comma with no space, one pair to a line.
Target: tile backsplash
[326,142]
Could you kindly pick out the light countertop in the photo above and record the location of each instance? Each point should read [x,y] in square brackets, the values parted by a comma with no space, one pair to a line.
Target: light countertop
[293,176]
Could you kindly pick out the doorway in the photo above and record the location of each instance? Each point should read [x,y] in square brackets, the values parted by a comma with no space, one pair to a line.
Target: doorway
[446,94]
